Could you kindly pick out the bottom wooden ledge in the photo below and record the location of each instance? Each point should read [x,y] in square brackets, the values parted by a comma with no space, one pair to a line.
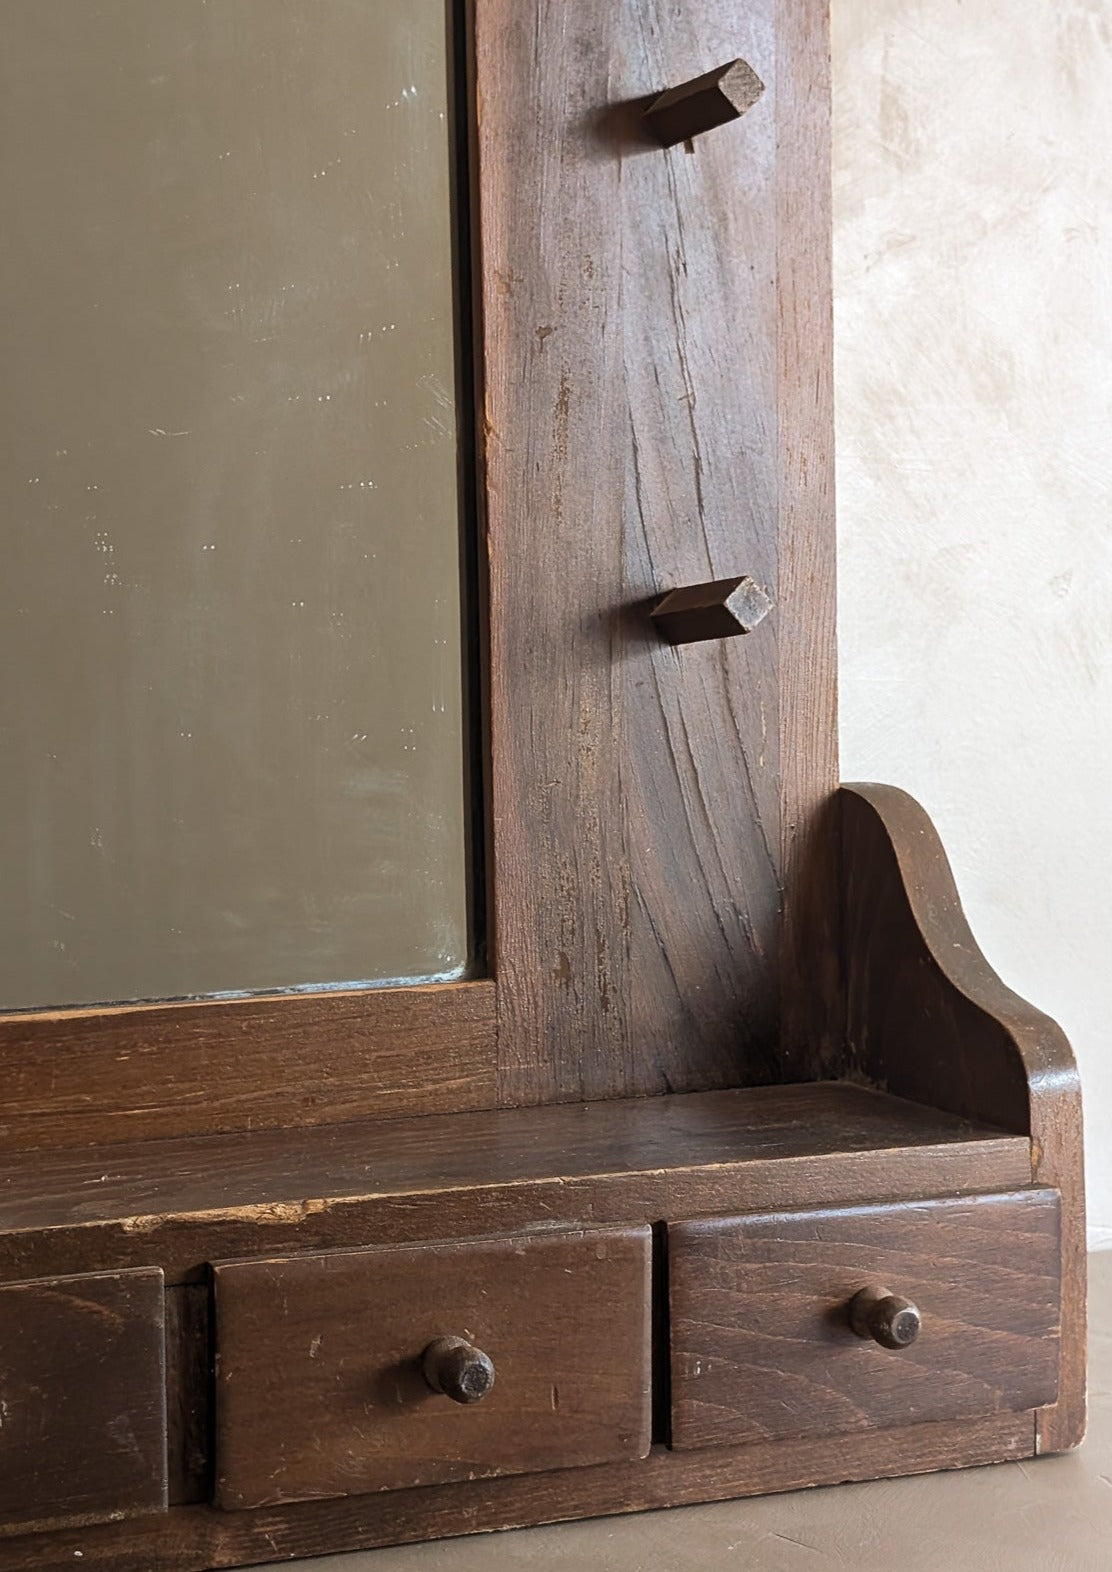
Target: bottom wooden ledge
[201,1539]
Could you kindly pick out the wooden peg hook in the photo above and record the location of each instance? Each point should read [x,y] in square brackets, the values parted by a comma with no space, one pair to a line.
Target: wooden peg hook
[712,100]
[719,610]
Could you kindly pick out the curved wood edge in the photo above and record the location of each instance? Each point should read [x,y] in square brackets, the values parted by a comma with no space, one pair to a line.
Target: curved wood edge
[929,1019]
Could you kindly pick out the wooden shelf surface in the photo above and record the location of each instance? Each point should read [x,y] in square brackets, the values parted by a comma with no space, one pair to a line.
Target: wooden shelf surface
[657,1138]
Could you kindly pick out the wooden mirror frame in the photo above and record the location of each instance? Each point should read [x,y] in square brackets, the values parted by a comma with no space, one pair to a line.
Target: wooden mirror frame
[680,899]
[634,945]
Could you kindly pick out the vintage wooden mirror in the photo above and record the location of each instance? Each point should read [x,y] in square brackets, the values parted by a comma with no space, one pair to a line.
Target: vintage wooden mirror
[467,1062]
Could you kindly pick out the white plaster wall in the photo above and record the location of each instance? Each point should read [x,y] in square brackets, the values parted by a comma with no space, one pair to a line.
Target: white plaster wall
[973,190]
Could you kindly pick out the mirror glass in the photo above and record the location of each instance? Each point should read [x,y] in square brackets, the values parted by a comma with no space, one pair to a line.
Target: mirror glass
[231,672]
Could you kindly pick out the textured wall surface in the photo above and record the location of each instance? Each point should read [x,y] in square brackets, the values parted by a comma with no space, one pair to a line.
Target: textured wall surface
[973,181]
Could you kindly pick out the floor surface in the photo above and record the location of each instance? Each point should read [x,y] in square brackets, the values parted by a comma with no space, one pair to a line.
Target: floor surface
[1054,1515]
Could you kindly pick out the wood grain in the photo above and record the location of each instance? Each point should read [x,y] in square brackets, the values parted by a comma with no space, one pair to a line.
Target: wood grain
[664,841]
[85,1077]
[82,1399]
[200,1538]
[676,397]
[630,303]
[763,1350]
[320,1390]
[929,1019]
[185,1203]
[811,1003]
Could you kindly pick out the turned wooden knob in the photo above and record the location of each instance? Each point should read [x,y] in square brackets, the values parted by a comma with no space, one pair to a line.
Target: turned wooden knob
[885,1317]
[458,1369]
[712,100]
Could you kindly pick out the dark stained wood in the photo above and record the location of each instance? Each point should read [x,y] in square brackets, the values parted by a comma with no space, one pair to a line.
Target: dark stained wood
[199,1538]
[721,610]
[1057,1150]
[763,1349]
[188,1391]
[910,1027]
[713,99]
[479,1150]
[82,1399]
[665,844]
[811,1004]
[633,341]
[183,1203]
[651,961]
[320,1389]
[85,1077]
[643,799]
[928,1018]
[616,980]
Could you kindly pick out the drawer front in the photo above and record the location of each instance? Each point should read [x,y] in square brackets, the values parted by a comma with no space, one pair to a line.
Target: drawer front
[82,1399]
[763,1345]
[328,1365]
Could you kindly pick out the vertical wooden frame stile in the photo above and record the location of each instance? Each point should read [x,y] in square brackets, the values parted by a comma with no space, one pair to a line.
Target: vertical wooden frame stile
[658,412]
[812,985]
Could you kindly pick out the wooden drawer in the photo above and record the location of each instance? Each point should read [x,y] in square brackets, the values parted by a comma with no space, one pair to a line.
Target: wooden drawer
[82,1398]
[762,1343]
[322,1388]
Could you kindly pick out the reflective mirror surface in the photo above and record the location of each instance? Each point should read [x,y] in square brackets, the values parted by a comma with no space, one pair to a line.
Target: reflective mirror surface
[231,717]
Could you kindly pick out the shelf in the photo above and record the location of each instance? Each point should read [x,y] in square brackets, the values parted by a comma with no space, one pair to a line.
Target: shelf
[414,1178]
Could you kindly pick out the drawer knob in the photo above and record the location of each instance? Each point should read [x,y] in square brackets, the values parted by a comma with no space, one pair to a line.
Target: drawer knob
[885,1317]
[458,1369]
